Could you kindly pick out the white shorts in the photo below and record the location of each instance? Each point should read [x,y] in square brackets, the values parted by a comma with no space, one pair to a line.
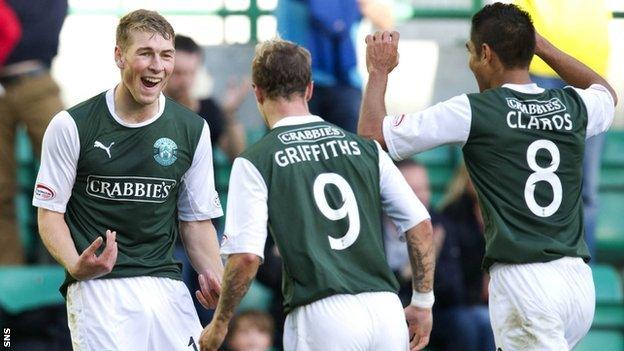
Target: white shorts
[133,314]
[363,322]
[541,306]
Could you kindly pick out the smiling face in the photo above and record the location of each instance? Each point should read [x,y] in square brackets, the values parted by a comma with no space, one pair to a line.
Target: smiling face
[146,64]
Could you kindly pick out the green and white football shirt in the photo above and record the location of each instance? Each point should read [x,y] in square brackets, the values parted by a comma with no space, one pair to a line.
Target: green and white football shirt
[136,179]
[320,192]
[523,147]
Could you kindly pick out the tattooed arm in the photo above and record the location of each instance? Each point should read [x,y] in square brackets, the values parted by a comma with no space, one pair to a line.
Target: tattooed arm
[240,270]
[422,259]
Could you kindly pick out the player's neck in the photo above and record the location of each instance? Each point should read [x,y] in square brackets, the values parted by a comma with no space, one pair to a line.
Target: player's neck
[510,76]
[276,110]
[129,110]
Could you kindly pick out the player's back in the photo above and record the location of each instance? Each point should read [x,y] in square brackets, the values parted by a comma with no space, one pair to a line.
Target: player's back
[524,155]
[324,210]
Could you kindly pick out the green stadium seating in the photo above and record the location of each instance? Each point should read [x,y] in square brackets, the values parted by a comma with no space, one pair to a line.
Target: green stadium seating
[439,156]
[602,340]
[608,285]
[611,179]
[612,154]
[609,298]
[610,228]
[609,316]
[258,297]
[27,287]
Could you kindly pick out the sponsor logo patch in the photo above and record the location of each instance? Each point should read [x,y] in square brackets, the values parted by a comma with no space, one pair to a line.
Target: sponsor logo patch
[310,134]
[44,192]
[537,108]
[130,188]
[398,120]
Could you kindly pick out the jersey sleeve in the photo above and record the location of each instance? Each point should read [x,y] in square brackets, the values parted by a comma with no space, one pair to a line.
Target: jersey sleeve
[198,198]
[247,211]
[600,109]
[447,122]
[59,159]
[398,200]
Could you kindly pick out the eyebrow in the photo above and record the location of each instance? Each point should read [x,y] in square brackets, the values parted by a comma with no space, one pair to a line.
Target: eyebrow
[149,48]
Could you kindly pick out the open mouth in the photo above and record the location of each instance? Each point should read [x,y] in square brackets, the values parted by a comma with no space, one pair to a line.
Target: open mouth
[150,82]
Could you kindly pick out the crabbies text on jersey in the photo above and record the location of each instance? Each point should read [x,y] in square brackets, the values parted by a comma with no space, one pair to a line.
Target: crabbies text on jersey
[539,115]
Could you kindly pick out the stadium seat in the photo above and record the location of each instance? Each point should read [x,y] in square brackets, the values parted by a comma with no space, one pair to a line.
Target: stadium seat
[439,176]
[612,154]
[439,156]
[609,298]
[611,179]
[28,287]
[258,297]
[609,316]
[610,231]
[603,340]
[608,285]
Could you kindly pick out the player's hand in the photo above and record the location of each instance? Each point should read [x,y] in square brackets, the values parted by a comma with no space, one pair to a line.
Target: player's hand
[237,91]
[382,53]
[420,321]
[89,265]
[212,336]
[540,44]
[210,289]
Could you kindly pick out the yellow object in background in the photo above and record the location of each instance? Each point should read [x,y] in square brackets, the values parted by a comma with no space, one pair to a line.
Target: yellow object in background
[580,28]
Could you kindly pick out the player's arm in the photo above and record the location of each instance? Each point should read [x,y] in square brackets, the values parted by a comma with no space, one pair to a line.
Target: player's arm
[59,158]
[381,57]
[198,203]
[571,70]
[57,239]
[202,248]
[447,122]
[411,217]
[240,270]
[422,259]
[244,239]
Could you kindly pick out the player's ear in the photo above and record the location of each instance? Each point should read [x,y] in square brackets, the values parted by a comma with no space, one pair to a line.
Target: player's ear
[309,91]
[119,57]
[486,53]
[258,93]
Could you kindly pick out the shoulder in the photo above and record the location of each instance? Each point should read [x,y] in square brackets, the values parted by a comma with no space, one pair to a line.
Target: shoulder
[86,108]
[182,114]
[262,148]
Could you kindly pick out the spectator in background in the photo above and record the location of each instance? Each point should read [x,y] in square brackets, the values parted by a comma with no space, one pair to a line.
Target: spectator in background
[225,131]
[417,178]
[327,29]
[250,331]
[461,285]
[32,97]
[579,28]
[10,31]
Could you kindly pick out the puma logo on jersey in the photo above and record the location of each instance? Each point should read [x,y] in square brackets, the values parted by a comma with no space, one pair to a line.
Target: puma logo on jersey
[101,146]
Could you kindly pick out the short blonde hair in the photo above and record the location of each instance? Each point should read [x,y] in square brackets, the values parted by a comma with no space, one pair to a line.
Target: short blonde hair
[142,21]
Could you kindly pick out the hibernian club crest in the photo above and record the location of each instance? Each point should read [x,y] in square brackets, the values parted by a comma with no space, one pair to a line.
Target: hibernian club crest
[165,151]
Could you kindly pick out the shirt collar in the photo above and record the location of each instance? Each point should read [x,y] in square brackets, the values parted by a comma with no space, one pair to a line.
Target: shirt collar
[110,103]
[296,120]
[530,88]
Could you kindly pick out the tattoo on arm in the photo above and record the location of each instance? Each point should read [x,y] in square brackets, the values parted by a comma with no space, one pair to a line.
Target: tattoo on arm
[422,258]
[236,281]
